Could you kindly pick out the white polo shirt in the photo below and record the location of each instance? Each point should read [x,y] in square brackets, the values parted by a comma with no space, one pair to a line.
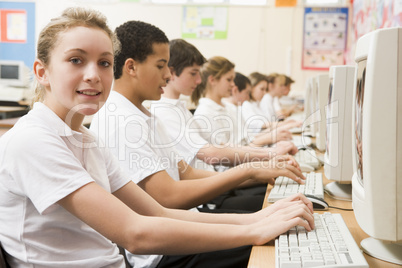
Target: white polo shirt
[182,129]
[142,148]
[267,107]
[41,161]
[217,125]
[253,115]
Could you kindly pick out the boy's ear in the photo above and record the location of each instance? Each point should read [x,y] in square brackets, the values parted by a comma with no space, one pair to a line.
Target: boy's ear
[172,72]
[235,90]
[40,73]
[130,66]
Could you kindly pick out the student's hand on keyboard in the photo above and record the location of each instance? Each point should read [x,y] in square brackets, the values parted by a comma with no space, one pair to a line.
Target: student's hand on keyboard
[285,202]
[280,134]
[267,171]
[289,124]
[284,147]
[290,212]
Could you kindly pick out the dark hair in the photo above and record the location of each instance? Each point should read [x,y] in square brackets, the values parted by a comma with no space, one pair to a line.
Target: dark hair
[183,54]
[241,81]
[137,39]
[215,66]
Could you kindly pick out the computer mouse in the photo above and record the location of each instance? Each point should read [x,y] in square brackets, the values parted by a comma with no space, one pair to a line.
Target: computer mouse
[306,168]
[318,203]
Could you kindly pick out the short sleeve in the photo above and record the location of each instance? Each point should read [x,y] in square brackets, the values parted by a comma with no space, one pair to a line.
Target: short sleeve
[43,167]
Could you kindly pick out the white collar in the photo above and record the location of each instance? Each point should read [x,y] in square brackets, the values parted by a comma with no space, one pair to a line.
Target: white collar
[211,104]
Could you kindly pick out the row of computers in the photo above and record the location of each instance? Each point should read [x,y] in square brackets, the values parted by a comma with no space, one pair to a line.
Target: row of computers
[355,114]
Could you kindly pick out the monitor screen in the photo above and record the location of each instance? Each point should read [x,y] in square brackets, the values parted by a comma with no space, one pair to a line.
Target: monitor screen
[360,82]
[9,71]
[330,111]
[321,102]
[14,74]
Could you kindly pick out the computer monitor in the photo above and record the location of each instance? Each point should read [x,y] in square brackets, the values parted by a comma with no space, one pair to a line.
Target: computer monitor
[14,73]
[338,165]
[310,108]
[307,98]
[377,142]
[322,81]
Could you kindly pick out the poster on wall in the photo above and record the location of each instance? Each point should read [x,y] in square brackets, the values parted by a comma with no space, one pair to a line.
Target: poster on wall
[204,22]
[369,15]
[17,31]
[324,37]
[13,25]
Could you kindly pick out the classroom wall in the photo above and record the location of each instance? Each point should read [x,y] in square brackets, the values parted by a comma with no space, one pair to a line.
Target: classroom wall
[264,39]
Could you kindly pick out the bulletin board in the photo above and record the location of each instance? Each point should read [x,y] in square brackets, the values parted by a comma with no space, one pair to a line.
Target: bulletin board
[205,22]
[17,31]
[324,37]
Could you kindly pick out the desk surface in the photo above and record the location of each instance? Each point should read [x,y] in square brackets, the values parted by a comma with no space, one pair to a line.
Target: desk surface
[264,256]
[8,122]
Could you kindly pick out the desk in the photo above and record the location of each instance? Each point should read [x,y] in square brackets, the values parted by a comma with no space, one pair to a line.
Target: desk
[264,256]
[12,111]
[9,122]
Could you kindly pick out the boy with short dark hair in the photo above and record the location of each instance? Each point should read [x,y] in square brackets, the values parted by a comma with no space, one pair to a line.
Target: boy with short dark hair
[138,139]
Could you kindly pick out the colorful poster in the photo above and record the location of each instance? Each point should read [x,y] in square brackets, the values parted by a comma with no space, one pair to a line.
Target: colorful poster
[205,22]
[369,15]
[13,26]
[324,37]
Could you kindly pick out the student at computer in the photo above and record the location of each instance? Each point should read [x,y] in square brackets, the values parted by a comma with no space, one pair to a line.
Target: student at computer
[281,111]
[138,138]
[277,87]
[253,114]
[217,81]
[251,108]
[63,198]
[233,104]
[185,63]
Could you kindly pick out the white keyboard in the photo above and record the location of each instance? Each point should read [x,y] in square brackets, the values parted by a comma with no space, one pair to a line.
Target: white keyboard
[330,244]
[308,157]
[285,187]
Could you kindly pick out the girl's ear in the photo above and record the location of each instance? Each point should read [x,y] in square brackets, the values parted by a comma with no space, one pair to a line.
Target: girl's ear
[211,79]
[40,73]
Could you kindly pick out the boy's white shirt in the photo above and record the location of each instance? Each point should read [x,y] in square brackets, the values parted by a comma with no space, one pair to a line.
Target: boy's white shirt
[267,107]
[142,148]
[277,105]
[181,129]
